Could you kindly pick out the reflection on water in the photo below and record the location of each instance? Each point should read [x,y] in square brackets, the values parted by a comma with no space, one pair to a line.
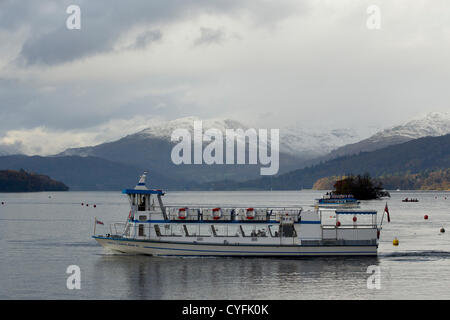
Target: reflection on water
[231,278]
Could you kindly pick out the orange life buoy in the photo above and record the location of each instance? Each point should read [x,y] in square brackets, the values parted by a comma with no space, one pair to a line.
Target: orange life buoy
[217,213]
[182,213]
[250,213]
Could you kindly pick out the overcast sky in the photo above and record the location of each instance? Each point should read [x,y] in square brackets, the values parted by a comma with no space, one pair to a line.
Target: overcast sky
[266,63]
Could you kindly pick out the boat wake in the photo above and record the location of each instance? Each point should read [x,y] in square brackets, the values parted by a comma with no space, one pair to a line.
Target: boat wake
[426,254]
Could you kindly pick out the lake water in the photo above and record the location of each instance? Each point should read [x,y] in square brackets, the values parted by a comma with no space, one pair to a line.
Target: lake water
[41,234]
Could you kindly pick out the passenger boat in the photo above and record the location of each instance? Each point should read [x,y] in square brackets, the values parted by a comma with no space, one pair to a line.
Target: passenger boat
[157,229]
[332,200]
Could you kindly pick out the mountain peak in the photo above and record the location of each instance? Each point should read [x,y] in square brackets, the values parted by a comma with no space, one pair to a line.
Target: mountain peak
[432,124]
[164,129]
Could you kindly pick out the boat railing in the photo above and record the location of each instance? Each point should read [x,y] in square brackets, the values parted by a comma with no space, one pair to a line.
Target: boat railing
[349,226]
[231,213]
[113,229]
[348,231]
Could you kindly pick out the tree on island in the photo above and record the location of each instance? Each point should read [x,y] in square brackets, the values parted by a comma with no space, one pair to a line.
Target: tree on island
[362,187]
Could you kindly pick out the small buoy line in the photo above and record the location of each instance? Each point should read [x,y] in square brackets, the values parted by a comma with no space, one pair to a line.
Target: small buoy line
[396,242]
[87,205]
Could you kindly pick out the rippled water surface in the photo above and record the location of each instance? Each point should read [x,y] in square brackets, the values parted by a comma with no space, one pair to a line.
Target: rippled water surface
[41,234]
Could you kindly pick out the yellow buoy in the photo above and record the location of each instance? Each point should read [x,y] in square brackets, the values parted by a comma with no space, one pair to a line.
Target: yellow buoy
[395,242]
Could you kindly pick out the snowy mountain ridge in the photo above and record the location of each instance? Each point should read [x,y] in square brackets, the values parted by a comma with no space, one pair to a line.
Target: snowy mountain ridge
[432,124]
[293,140]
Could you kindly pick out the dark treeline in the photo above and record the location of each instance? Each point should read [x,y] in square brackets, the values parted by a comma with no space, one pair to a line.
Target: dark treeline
[22,181]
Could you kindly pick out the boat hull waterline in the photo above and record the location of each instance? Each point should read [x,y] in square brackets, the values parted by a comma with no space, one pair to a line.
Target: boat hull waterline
[160,248]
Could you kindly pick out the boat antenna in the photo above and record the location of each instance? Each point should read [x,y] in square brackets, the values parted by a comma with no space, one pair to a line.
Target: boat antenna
[141,183]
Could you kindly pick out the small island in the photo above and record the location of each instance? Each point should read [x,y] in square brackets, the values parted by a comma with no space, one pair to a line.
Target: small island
[22,181]
[362,187]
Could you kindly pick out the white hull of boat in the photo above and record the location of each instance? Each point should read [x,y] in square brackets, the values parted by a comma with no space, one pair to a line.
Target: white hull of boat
[158,248]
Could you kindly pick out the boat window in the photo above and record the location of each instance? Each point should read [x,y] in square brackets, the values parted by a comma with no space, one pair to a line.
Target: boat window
[261,232]
[249,230]
[233,230]
[141,230]
[177,230]
[220,230]
[157,230]
[186,231]
[191,230]
[164,230]
[142,218]
[288,231]
[273,230]
[141,206]
[204,230]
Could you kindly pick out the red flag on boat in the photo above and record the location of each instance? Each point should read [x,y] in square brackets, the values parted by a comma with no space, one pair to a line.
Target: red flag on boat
[98,222]
[387,211]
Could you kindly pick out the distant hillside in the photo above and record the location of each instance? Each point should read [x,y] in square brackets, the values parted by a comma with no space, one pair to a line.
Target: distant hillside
[430,153]
[433,180]
[326,183]
[87,173]
[22,181]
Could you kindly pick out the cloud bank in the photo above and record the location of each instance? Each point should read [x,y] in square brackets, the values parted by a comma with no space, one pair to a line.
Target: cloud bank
[265,63]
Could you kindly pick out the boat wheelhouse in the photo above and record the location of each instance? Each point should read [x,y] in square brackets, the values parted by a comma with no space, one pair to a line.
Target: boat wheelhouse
[153,228]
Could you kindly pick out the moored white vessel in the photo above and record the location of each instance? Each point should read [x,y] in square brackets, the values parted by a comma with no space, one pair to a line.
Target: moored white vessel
[331,200]
[156,229]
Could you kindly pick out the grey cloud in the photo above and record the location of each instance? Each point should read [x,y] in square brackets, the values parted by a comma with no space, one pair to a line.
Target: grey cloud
[146,38]
[317,71]
[62,46]
[103,21]
[8,149]
[24,105]
[208,36]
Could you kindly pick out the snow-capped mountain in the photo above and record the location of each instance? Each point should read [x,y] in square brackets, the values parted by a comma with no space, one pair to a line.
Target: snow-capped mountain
[312,144]
[151,149]
[165,129]
[295,141]
[432,124]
